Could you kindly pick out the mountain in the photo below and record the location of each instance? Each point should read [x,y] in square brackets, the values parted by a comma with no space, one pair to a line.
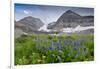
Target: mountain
[68,19]
[51,25]
[69,16]
[29,24]
[87,21]
[71,19]
[68,22]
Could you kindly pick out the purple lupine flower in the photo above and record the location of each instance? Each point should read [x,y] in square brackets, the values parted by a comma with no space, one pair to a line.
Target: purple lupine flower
[58,45]
[52,46]
[65,42]
[76,43]
[55,43]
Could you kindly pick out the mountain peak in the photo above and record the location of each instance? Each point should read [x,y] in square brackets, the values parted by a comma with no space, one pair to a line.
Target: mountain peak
[29,17]
[69,11]
[68,16]
[31,23]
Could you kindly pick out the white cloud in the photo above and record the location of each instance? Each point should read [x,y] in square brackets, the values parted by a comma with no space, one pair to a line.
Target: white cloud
[26,12]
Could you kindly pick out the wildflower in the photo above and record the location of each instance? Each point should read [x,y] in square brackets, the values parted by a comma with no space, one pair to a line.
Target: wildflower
[65,41]
[76,43]
[52,46]
[58,45]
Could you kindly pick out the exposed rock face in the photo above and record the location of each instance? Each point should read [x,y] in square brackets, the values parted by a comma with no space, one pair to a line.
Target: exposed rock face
[72,19]
[29,24]
[87,21]
[51,25]
[67,20]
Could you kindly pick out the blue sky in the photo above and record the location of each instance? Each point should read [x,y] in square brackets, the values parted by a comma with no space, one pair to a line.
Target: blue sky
[47,13]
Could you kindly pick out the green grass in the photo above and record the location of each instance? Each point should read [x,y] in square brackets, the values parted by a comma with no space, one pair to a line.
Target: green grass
[42,49]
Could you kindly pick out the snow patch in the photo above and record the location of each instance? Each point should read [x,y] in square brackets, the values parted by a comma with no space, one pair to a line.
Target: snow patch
[44,28]
[80,28]
[68,30]
[77,29]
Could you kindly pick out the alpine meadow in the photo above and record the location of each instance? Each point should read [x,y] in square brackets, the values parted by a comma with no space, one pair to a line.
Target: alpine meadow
[45,34]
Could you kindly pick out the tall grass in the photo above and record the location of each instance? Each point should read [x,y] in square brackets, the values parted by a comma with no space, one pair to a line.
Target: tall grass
[42,49]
